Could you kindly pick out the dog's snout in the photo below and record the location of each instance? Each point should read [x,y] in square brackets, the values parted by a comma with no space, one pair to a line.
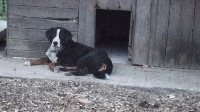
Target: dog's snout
[55,43]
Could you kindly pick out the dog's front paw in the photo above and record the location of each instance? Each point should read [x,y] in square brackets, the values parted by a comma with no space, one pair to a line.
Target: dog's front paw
[27,63]
[56,69]
[68,73]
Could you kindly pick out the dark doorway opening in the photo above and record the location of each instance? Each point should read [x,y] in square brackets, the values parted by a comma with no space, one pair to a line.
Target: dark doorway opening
[112,33]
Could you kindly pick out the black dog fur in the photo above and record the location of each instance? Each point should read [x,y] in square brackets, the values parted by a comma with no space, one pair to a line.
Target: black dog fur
[87,59]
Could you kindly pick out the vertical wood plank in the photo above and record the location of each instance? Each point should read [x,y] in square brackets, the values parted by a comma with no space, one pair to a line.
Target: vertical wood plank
[103,4]
[114,4]
[142,32]
[161,33]
[90,23]
[126,4]
[154,11]
[132,29]
[82,20]
[184,54]
[173,33]
[196,39]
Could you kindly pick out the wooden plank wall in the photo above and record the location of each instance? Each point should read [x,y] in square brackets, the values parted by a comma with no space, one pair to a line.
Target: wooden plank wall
[174,37]
[29,19]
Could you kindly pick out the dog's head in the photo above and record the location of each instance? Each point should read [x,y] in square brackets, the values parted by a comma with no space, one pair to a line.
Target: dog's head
[59,37]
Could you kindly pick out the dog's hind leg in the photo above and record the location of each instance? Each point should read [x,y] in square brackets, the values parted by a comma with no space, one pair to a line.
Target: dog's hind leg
[81,72]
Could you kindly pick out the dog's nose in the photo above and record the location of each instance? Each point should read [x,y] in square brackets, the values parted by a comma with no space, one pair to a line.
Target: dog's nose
[55,43]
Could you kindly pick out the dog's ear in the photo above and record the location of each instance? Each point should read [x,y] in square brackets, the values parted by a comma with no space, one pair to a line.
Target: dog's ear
[68,37]
[49,34]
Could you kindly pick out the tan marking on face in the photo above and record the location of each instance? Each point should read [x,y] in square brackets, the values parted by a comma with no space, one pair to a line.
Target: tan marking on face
[103,67]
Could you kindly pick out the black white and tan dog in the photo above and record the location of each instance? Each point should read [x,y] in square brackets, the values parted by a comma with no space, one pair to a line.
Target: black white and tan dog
[66,55]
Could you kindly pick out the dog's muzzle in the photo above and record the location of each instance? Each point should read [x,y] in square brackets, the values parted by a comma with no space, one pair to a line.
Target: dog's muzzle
[55,43]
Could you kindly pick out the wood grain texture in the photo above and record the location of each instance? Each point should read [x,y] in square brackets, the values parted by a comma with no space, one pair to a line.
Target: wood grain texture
[103,4]
[27,45]
[131,30]
[90,23]
[38,23]
[173,33]
[184,52]
[82,21]
[154,11]
[160,33]
[26,54]
[126,4]
[47,3]
[114,5]
[196,39]
[42,12]
[31,34]
[142,32]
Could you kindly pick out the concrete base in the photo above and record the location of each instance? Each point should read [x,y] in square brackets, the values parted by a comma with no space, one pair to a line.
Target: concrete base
[124,75]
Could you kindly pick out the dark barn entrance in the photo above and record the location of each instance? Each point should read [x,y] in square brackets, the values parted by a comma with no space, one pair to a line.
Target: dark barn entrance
[112,33]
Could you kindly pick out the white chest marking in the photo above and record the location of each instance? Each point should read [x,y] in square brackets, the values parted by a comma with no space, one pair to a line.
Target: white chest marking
[52,56]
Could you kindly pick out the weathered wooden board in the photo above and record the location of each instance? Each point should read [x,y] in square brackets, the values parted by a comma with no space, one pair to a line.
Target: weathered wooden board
[173,33]
[90,23]
[43,12]
[131,30]
[154,11]
[142,32]
[31,34]
[184,52]
[120,5]
[26,45]
[114,4]
[38,23]
[196,38]
[26,54]
[102,4]
[126,4]
[160,33]
[46,3]
[82,21]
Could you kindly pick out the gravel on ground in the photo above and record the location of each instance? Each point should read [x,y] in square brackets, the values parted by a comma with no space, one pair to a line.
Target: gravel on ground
[42,95]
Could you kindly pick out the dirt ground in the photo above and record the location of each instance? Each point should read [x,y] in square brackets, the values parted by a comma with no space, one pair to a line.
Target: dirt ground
[39,95]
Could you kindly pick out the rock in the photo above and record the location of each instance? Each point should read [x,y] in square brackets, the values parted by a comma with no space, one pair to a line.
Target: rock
[84,102]
[144,104]
[171,96]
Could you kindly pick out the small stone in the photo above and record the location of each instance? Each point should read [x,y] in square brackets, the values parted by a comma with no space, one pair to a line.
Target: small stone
[14,69]
[171,96]
[84,101]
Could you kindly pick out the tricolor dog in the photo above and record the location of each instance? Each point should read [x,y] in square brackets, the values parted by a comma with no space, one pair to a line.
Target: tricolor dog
[67,55]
